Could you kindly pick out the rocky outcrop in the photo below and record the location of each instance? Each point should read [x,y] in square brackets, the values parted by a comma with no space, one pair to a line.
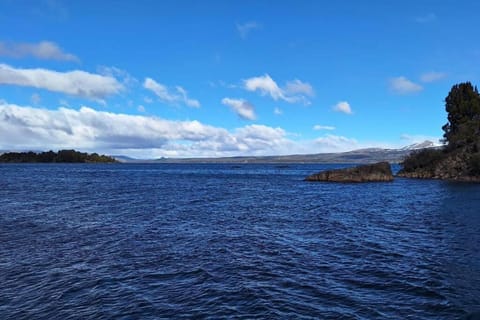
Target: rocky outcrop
[451,166]
[378,172]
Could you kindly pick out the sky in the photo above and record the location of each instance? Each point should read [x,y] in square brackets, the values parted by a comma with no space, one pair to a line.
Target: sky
[150,79]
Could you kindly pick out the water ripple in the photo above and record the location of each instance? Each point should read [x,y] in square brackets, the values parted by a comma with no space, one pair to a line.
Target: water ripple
[249,241]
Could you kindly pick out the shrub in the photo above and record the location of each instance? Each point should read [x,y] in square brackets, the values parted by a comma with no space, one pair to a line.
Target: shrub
[425,159]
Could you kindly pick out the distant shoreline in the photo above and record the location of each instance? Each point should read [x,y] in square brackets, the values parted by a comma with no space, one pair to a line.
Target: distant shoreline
[62,156]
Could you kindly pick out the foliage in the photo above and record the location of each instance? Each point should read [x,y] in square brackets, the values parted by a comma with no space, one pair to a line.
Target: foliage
[461,156]
[463,128]
[425,159]
[69,156]
[474,164]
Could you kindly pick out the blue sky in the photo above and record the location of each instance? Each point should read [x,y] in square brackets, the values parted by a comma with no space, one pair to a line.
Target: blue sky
[227,78]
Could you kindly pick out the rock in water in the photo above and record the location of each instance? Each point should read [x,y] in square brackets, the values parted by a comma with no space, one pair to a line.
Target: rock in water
[377,172]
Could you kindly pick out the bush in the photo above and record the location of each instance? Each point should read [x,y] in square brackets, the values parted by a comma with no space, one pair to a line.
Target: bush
[425,159]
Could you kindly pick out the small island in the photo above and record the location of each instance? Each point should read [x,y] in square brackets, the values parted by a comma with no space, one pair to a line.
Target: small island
[459,159]
[62,156]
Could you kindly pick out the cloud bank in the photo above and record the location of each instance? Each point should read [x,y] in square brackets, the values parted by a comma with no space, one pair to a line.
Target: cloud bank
[28,128]
[86,129]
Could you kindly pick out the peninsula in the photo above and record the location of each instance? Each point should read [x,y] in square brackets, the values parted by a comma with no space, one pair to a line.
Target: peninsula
[459,159]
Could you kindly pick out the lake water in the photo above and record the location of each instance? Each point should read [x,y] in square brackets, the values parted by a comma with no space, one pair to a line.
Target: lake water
[149,241]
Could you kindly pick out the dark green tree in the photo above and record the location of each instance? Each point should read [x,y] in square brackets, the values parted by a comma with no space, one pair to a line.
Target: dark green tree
[463,128]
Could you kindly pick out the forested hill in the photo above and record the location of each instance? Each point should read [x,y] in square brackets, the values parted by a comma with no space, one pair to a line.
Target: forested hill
[460,159]
[62,156]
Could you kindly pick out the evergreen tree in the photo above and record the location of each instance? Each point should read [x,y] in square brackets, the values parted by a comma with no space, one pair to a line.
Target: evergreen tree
[461,157]
[463,128]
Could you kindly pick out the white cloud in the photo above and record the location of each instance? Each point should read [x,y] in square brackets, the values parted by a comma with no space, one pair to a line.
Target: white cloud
[117,73]
[336,143]
[277,111]
[319,127]
[26,128]
[402,85]
[75,83]
[432,76]
[179,95]
[63,103]
[141,108]
[189,102]
[86,129]
[242,108]
[160,90]
[344,107]
[298,87]
[260,137]
[44,50]
[293,92]
[245,28]
[265,85]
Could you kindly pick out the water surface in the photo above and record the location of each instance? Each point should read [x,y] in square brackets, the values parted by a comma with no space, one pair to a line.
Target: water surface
[233,241]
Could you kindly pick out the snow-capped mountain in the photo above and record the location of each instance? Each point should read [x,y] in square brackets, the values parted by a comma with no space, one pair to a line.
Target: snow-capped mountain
[421,145]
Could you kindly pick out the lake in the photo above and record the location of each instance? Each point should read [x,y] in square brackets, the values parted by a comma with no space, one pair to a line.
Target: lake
[149,241]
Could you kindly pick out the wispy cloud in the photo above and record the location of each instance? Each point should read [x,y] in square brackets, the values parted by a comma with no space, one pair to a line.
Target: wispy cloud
[277,111]
[401,85]
[148,100]
[242,108]
[297,87]
[122,75]
[184,97]
[245,28]
[293,92]
[343,107]
[408,139]
[427,18]
[336,143]
[177,95]
[432,76]
[76,83]
[319,127]
[44,50]
[35,98]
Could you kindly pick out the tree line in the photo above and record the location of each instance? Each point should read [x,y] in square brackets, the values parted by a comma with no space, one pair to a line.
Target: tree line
[62,156]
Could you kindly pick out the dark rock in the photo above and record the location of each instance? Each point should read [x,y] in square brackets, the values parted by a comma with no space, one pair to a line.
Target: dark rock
[377,172]
[453,166]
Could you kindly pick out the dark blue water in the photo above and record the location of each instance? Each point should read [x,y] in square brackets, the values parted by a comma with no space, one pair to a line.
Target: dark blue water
[228,241]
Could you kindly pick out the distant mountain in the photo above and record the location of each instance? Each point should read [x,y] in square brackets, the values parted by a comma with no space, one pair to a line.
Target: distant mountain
[369,155]
[421,145]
